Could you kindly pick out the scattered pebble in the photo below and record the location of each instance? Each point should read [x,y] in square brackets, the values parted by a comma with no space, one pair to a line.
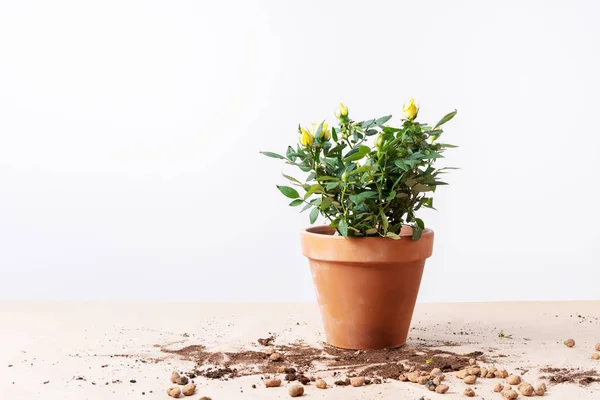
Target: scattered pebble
[595,356]
[174,392]
[273,382]
[510,394]
[413,376]
[204,398]
[423,380]
[472,361]
[189,389]
[321,384]
[435,371]
[442,389]
[501,374]
[483,372]
[303,379]
[470,379]
[462,374]
[276,357]
[526,389]
[357,381]
[569,343]
[597,348]
[296,390]
[474,371]
[513,380]
[469,392]
[498,387]
[182,380]
[270,351]
[437,381]
[540,390]
[174,376]
[431,385]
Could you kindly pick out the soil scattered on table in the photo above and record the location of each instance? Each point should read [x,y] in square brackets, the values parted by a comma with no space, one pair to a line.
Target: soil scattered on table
[570,375]
[385,364]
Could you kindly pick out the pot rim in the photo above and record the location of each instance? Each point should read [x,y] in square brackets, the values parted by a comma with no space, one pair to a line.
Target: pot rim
[326,230]
[318,243]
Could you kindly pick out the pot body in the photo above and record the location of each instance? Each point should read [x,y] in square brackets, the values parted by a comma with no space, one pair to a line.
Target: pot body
[366,287]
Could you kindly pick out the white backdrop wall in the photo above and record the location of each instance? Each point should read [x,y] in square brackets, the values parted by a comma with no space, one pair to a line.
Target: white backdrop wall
[130,131]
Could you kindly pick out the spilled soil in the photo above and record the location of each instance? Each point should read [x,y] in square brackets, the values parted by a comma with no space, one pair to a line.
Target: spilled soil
[570,375]
[383,364]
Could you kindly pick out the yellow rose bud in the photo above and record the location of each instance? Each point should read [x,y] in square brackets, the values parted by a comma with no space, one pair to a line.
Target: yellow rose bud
[410,110]
[379,141]
[325,131]
[306,138]
[341,112]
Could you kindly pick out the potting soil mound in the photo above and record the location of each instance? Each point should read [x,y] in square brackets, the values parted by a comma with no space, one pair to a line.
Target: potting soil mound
[386,364]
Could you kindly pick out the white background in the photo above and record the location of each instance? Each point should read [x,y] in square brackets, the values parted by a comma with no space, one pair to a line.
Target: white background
[130,131]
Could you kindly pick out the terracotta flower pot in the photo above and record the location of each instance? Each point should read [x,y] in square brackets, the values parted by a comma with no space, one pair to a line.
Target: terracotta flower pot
[366,287]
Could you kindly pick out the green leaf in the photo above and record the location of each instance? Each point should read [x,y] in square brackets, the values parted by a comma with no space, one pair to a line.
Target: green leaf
[325,203]
[272,155]
[367,124]
[371,231]
[313,215]
[291,178]
[332,185]
[361,197]
[343,228]
[364,168]
[357,153]
[382,120]
[417,231]
[306,207]
[316,188]
[334,134]
[420,223]
[384,222]
[431,155]
[291,154]
[448,146]
[337,148]
[391,196]
[419,188]
[389,129]
[371,132]
[296,203]
[402,165]
[392,235]
[446,118]
[288,192]
[435,183]
[327,178]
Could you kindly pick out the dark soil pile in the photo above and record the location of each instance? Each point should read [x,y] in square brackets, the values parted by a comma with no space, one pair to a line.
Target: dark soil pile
[570,375]
[385,364]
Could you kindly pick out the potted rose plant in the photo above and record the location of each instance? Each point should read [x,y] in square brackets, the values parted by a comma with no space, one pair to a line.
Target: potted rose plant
[368,261]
